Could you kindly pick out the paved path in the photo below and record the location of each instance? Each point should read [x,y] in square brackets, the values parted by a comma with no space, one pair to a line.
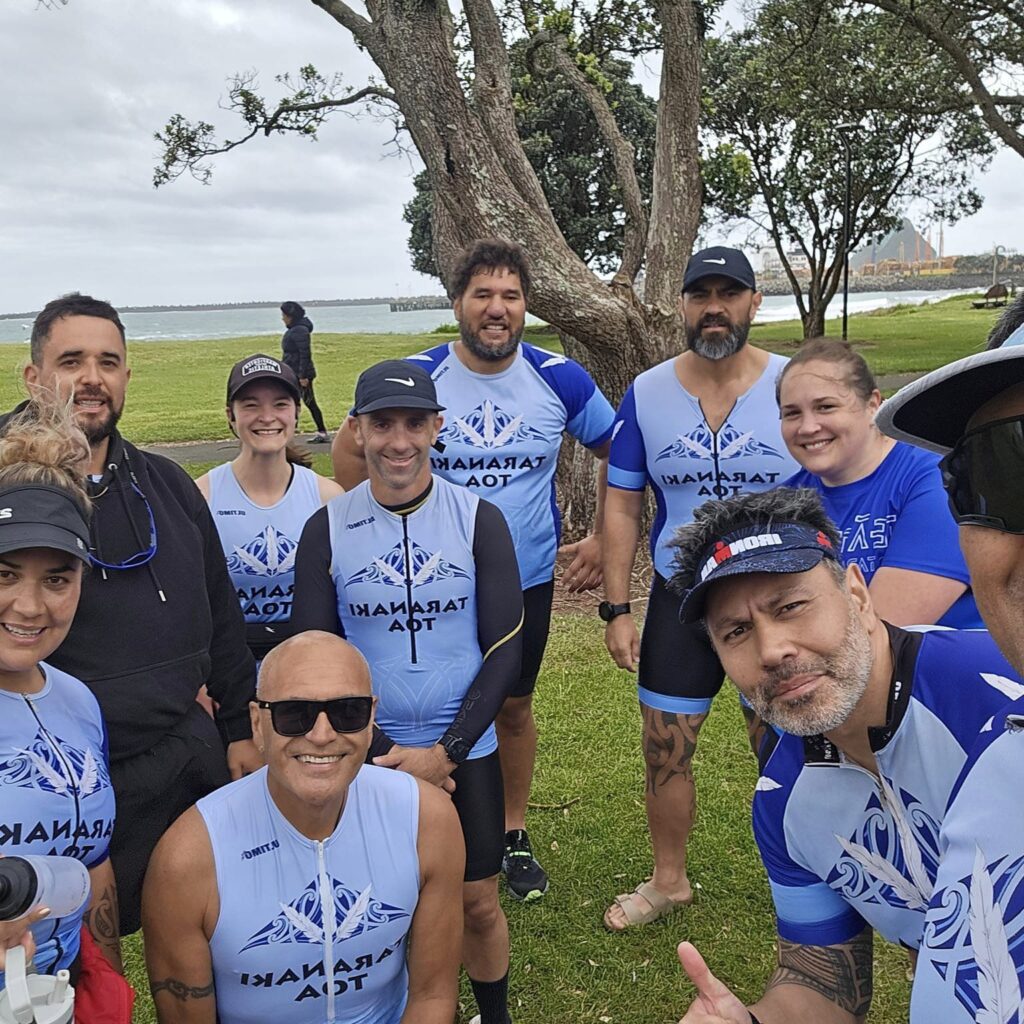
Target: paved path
[223,451]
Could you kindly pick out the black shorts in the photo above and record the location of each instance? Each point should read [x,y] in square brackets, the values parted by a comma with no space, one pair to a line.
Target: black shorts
[679,670]
[536,624]
[479,799]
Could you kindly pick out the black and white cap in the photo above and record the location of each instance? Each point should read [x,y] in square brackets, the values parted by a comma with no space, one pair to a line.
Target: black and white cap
[261,367]
[933,411]
[40,516]
[719,261]
[395,384]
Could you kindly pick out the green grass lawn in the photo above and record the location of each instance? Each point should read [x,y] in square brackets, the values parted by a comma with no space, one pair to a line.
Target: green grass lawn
[177,388]
[566,968]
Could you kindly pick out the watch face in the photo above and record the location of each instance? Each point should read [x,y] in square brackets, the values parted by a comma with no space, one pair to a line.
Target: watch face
[604,609]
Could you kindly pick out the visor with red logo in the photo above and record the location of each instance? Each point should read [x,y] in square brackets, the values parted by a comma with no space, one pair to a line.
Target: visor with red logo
[768,546]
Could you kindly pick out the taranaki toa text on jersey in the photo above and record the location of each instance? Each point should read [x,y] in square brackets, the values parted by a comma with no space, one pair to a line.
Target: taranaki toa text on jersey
[661,438]
[502,434]
[314,932]
[406,593]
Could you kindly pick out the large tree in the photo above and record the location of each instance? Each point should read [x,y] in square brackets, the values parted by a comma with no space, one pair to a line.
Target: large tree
[982,45]
[790,92]
[453,93]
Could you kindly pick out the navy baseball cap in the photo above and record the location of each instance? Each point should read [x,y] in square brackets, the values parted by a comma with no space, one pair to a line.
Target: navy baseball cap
[767,546]
[719,261]
[933,411]
[40,516]
[395,384]
[261,367]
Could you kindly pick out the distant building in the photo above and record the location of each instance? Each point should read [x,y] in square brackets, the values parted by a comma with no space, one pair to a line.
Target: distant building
[771,263]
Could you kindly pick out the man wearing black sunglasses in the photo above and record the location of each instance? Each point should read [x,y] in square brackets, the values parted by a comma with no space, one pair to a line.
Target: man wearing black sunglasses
[158,619]
[971,965]
[318,888]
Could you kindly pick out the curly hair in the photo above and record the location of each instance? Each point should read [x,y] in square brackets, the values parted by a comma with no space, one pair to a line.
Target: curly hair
[489,254]
[720,516]
[42,445]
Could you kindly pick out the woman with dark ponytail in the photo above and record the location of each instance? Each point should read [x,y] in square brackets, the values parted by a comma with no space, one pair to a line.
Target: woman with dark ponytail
[261,500]
[297,352]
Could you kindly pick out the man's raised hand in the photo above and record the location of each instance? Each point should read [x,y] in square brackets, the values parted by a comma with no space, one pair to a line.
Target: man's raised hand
[714,1004]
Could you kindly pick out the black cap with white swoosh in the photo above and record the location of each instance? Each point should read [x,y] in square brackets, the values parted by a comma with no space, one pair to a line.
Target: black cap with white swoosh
[395,384]
[719,261]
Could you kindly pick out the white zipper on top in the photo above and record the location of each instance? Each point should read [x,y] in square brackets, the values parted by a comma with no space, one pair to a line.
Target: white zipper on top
[329,926]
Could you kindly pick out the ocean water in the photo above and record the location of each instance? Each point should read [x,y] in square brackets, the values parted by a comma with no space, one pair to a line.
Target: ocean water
[246,321]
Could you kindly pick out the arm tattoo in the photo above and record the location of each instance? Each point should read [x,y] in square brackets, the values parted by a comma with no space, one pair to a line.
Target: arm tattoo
[101,919]
[840,973]
[670,741]
[180,990]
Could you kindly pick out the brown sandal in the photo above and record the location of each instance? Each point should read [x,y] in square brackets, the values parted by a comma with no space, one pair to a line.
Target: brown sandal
[658,906]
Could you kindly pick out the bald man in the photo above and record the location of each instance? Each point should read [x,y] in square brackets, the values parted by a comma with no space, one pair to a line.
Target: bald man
[307,891]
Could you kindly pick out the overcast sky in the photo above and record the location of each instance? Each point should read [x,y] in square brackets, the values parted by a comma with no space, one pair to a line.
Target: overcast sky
[283,217]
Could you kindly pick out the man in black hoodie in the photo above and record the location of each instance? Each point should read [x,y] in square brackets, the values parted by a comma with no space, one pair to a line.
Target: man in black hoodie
[297,352]
[158,619]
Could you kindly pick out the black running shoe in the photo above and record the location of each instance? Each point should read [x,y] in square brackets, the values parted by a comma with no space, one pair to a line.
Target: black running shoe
[526,879]
[319,439]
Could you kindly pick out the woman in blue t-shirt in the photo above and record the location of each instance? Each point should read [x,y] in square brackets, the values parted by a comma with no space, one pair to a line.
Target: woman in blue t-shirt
[885,497]
[55,793]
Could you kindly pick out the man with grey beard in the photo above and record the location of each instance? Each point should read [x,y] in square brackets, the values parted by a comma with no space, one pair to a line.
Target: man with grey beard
[877,725]
[701,425]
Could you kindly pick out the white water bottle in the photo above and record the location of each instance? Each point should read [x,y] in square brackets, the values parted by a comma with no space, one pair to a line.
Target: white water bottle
[60,883]
[34,998]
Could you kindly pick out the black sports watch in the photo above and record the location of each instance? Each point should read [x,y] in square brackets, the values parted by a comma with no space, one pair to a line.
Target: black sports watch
[457,749]
[609,611]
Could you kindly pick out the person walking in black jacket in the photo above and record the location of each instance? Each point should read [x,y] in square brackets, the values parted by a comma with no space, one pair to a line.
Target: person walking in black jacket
[158,617]
[297,352]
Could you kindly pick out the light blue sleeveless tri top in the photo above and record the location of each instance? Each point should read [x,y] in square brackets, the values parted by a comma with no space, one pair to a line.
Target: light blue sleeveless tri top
[406,587]
[260,541]
[314,932]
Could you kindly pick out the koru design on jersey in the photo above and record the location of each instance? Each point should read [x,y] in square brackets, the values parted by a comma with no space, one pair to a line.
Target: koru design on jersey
[269,553]
[39,767]
[699,443]
[488,426]
[391,569]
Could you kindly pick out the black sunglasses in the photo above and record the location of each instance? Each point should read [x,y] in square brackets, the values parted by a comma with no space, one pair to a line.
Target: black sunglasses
[984,476]
[297,717]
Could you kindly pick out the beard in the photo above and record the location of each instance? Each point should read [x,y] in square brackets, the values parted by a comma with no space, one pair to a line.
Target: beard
[717,348]
[848,669]
[97,431]
[483,350]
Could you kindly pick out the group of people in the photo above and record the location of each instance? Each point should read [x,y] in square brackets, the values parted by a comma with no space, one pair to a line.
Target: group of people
[360,656]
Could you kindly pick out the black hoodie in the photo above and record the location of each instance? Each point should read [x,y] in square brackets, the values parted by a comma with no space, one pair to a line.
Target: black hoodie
[146,639]
[295,348]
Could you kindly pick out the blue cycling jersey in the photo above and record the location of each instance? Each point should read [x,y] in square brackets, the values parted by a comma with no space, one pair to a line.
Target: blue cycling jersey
[898,517]
[971,965]
[661,438]
[844,848]
[55,793]
[313,932]
[502,434]
[260,541]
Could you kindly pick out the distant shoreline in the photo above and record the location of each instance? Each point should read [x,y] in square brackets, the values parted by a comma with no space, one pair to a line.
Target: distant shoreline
[770,286]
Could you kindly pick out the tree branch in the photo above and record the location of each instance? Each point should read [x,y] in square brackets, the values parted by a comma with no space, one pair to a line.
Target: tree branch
[676,189]
[363,31]
[302,108]
[622,152]
[963,63]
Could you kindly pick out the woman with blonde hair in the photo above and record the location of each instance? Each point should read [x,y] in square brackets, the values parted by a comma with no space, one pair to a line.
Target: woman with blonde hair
[885,497]
[55,791]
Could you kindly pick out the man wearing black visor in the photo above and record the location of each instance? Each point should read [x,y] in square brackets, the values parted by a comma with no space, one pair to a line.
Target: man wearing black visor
[158,619]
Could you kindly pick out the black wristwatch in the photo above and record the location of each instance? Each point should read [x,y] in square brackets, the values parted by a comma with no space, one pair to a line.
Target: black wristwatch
[609,611]
[457,749]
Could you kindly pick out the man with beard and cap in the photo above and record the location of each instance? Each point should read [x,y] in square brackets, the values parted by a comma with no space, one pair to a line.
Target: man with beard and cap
[701,425]
[971,966]
[509,404]
[871,726]
[158,618]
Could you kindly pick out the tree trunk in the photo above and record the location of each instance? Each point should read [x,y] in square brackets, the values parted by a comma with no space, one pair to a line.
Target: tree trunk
[814,320]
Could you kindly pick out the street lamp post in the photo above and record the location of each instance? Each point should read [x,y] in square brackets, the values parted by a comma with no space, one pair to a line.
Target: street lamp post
[845,131]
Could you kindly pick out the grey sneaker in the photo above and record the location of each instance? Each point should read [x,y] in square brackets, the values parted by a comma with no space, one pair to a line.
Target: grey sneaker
[526,879]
